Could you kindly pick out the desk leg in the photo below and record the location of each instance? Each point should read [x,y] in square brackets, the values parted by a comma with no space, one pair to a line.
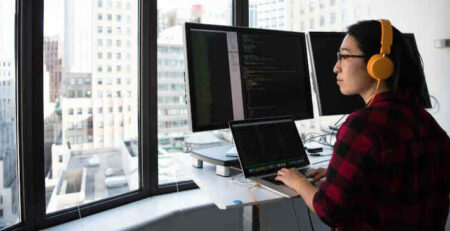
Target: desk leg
[250,219]
[197,163]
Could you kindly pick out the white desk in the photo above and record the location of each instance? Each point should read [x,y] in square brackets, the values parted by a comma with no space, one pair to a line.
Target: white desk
[227,194]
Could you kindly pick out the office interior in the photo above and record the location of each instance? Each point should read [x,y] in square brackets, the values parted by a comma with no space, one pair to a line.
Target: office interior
[95,118]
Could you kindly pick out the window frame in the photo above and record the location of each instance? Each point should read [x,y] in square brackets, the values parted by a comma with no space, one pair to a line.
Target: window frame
[29,31]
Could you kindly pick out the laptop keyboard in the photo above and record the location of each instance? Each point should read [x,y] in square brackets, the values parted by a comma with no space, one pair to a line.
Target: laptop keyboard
[271,178]
[306,171]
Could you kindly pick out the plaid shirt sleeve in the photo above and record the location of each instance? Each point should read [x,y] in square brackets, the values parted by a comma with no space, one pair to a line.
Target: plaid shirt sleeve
[335,202]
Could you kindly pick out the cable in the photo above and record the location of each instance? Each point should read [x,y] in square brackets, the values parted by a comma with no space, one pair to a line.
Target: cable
[339,120]
[296,215]
[257,204]
[310,138]
[241,180]
[310,220]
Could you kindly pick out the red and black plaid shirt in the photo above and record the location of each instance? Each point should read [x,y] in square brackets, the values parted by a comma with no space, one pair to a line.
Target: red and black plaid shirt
[389,170]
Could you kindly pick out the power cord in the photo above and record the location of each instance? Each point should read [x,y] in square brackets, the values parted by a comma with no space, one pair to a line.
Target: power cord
[257,205]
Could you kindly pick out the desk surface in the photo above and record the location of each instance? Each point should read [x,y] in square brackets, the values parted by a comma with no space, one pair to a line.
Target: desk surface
[224,192]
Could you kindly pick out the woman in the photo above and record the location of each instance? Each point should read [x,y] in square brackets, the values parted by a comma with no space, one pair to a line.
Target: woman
[390,165]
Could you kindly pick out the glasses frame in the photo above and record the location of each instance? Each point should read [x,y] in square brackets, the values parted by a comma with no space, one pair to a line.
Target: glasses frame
[340,56]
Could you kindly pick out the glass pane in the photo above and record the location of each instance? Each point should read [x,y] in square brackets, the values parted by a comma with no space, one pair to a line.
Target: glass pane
[91,105]
[306,15]
[173,126]
[9,181]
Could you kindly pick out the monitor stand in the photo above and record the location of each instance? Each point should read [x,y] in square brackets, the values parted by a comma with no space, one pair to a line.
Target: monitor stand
[224,157]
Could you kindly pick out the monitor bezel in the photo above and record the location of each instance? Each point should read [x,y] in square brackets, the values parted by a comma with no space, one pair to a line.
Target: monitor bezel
[188,65]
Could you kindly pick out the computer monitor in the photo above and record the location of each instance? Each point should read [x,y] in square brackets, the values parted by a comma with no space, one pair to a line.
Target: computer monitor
[236,73]
[322,50]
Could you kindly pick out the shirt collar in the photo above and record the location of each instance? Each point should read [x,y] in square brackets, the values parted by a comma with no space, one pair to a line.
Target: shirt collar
[399,97]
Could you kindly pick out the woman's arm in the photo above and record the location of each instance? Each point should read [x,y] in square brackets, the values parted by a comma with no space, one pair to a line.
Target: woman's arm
[297,181]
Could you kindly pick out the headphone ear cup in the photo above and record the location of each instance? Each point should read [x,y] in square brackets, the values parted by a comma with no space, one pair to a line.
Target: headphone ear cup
[379,67]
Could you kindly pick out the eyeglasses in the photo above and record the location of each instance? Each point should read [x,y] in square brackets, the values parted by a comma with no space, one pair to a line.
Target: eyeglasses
[341,56]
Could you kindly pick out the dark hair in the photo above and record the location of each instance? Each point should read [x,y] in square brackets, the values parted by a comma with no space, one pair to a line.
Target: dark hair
[408,74]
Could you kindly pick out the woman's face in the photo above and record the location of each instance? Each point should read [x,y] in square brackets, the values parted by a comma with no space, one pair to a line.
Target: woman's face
[352,76]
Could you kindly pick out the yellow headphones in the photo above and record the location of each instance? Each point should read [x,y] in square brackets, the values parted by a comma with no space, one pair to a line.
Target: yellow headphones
[380,67]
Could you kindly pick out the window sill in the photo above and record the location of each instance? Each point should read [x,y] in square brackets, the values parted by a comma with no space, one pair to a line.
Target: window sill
[139,213]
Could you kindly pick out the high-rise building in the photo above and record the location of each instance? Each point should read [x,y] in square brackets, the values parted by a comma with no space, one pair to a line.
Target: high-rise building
[324,15]
[53,65]
[270,14]
[101,39]
[9,192]
[77,111]
[172,108]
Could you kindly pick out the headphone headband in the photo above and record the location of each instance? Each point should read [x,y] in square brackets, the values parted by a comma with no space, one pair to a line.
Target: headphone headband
[386,37]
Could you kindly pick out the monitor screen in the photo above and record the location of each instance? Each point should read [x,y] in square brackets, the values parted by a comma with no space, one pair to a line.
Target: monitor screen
[331,101]
[268,144]
[238,73]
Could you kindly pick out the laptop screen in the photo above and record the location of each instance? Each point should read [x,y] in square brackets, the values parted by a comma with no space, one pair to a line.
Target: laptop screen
[266,145]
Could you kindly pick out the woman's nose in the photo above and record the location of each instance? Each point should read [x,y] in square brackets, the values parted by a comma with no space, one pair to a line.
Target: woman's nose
[337,67]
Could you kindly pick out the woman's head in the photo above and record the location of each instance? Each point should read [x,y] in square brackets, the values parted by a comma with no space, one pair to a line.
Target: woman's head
[364,39]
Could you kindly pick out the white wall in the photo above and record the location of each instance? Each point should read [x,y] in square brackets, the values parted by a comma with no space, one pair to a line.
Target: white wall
[428,20]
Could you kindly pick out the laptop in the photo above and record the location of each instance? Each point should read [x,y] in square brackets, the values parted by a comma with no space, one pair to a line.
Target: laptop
[266,145]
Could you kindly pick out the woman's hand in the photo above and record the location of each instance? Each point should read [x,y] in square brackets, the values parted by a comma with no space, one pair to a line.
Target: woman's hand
[289,176]
[317,174]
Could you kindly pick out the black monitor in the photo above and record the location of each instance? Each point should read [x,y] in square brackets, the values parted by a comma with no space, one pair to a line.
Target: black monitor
[323,47]
[236,73]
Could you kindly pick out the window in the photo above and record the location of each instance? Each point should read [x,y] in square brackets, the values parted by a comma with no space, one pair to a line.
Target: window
[177,53]
[311,24]
[332,18]
[80,111]
[9,177]
[344,15]
[70,111]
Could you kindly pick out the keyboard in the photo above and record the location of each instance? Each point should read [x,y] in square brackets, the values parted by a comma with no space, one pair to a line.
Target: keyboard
[306,171]
[271,178]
